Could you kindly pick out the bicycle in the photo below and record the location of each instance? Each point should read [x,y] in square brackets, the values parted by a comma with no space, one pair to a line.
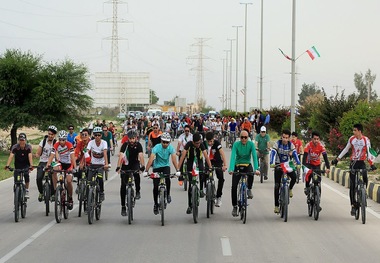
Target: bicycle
[210,192]
[185,177]
[314,195]
[298,172]
[263,166]
[284,198]
[82,185]
[94,203]
[231,139]
[195,195]
[243,193]
[20,201]
[130,194]
[46,190]
[61,202]
[162,193]
[360,195]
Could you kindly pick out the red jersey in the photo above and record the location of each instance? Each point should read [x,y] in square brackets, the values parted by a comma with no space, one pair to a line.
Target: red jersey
[297,143]
[314,152]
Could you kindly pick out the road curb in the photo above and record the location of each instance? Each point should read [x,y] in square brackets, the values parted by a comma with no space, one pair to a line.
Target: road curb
[343,178]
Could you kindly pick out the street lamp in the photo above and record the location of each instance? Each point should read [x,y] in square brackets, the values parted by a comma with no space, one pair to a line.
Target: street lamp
[293,78]
[230,86]
[237,59]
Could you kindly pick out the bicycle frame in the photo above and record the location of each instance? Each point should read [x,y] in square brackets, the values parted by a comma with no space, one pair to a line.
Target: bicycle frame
[20,202]
[94,204]
[360,195]
[130,193]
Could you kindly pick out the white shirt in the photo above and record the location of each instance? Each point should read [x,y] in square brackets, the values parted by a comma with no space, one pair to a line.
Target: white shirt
[46,151]
[97,152]
[182,140]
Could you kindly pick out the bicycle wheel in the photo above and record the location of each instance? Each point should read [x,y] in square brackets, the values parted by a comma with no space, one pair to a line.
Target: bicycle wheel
[22,201]
[213,198]
[58,205]
[106,174]
[244,205]
[65,203]
[363,204]
[286,203]
[298,175]
[113,151]
[208,199]
[81,192]
[129,205]
[47,198]
[310,203]
[317,200]
[261,172]
[162,205]
[357,206]
[17,203]
[240,200]
[90,205]
[194,196]
[98,204]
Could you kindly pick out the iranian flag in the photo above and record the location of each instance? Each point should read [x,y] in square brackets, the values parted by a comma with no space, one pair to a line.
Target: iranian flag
[287,167]
[372,156]
[195,171]
[313,53]
[306,172]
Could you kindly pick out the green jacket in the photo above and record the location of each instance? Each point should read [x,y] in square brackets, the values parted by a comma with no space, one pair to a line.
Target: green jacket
[241,154]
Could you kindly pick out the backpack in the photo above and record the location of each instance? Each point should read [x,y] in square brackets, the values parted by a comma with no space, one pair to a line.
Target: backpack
[44,141]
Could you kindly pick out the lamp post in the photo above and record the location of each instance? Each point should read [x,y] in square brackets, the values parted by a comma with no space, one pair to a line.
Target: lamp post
[237,59]
[245,57]
[293,78]
[261,56]
[230,86]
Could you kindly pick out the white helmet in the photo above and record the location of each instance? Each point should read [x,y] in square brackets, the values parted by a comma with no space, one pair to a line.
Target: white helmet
[166,137]
[53,129]
[97,130]
[62,135]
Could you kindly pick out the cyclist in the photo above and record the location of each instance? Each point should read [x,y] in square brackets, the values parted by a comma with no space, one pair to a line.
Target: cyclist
[161,154]
[148,130]
[263,146]
[218,159]
[233,128]
[71,135]
[113,129]
[311,159]
[107,136]
[241,154]
[359,145]
[281,152]
[98,149]
[22,152]
[81,153]
[246,125]
[183,139]
[43,152]
[299,147]
[195,151]
[131,158]
[218,127]
[63,153]
[154,137]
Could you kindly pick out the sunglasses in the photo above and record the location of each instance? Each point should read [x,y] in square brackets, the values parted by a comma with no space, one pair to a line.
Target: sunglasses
[163,142]
[155,128]
[243,137]
[187,131]
[97,135]
[84,135]
[62,140]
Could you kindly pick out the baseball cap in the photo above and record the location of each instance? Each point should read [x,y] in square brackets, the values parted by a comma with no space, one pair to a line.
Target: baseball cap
[22,136]
[263,129]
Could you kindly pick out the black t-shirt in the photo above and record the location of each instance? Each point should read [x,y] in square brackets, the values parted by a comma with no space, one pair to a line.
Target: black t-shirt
[198,125]
[21,156]
[214,154]
[193,152]
[133,153]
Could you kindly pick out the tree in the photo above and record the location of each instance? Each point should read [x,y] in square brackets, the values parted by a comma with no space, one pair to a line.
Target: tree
[307,91]
[37,94]
[277,118]
[306,109]
[362,82]
[207,109]
[153,97]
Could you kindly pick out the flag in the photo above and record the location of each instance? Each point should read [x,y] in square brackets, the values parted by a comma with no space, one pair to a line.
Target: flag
[287,167]
[372,156]
[313,53]
[87,156]
[286,56]
[195,170]
[306,172]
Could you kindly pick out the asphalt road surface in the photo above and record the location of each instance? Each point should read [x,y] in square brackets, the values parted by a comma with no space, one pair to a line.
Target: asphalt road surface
[335,237]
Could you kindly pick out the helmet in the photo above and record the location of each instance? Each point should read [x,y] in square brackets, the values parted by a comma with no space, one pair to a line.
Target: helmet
[53,129]
[166,137]
[62,134]
[132,133]
[97,130]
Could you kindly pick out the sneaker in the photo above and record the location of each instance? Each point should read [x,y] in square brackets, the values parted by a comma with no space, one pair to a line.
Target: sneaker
[52,198]
[155,209]
[202,194]
[27,194]
[189,210]
[265,177]
[290,193]
[218,202]
[40,197]
[306,190]
[70,204]
[250,195]
[235,211]
[353,211]
[138,196]
[320,208]
[169,199]
[101,195]
[276,210]
[123,211]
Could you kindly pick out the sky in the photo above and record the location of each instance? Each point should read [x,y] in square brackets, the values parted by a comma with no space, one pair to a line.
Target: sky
[161,35]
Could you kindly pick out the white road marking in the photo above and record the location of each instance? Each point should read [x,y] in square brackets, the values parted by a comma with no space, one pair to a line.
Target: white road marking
[226,247]
[369,210]
[20,247]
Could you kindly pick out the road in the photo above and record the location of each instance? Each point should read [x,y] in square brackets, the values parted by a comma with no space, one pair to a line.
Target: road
[335,237]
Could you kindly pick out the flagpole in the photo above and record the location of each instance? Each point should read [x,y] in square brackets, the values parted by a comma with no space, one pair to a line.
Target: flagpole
[293,77]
